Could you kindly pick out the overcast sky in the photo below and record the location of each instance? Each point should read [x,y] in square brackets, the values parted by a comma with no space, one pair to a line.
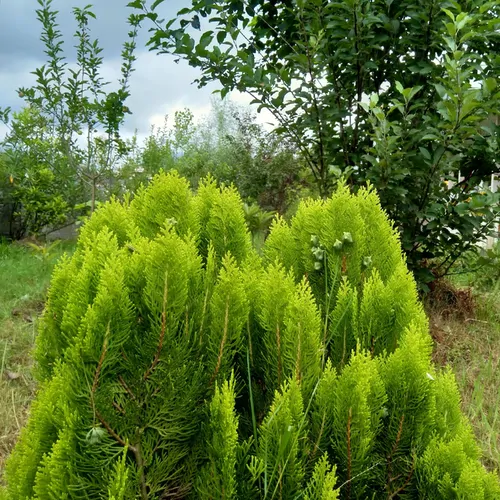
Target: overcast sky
[158,87]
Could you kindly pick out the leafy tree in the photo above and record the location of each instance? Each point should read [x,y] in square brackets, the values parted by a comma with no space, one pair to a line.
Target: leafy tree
[31,191]
[397,94]
[81,119]
[264,166]
[175,362]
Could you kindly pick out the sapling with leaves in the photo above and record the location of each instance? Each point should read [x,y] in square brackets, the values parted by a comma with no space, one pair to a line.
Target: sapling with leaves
[175,361]
[82,118]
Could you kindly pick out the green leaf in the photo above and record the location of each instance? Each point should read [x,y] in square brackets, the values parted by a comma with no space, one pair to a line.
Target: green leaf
[221,36]
[450,43]
[136,4]
[462,20]
[206,39]
[440,90]
[430,137]
[425,153]
[449,14]
[490,84]
[365,106]
[462,208]
[438,154]
[413,92]
[156,3]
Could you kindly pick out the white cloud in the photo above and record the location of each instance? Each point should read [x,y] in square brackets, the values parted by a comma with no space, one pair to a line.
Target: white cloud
[199,113]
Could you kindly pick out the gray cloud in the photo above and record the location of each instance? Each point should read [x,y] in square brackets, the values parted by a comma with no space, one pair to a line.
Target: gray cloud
[160,85]
[20,29]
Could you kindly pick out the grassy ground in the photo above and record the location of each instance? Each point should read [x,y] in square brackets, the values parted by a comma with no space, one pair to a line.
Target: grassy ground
[24,277]
[467,337]
[466,329]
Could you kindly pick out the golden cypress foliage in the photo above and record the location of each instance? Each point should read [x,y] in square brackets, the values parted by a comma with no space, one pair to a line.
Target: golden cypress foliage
[175,362]
[218,477]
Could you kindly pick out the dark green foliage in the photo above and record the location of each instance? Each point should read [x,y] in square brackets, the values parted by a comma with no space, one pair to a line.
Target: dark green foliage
[30,190]
[175,362]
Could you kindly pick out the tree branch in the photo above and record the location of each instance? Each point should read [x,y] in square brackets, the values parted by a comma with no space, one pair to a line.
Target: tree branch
[163,328]
[222,344]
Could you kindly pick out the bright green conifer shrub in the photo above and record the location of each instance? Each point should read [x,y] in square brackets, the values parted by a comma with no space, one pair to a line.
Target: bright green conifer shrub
[175,362]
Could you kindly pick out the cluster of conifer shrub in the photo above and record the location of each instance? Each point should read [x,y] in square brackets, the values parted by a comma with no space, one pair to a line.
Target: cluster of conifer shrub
[176,362]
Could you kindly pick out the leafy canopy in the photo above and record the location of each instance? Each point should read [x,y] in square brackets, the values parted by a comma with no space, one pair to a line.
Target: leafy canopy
[70,128]
[402,94]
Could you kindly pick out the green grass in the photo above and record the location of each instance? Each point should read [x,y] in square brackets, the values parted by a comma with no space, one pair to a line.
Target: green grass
[24,277]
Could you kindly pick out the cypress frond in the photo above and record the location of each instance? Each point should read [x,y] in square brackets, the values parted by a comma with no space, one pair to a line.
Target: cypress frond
[222,221]
[322,484]
[275,293]
[381,238]
[357,407]
[229,311]
[281,246]
[217,479]
[166,202]
[302,347]
[114,217]
[341,331]
[446,470]
[36,439]
[50,344]
[411,406]
[282,444]
[119,483]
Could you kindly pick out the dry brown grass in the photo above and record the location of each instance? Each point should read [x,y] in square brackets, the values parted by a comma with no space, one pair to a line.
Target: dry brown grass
[466,330]
[17,387]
